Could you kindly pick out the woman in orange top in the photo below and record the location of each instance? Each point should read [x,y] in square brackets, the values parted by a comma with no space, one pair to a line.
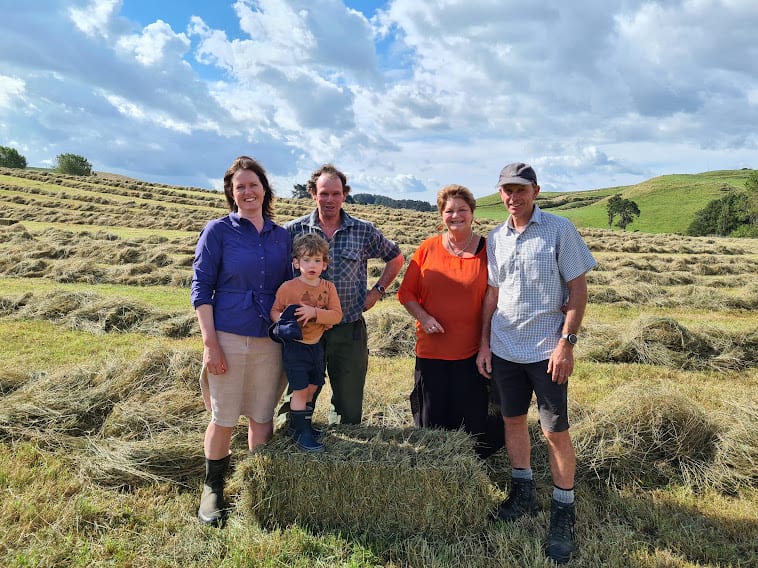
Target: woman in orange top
[443,289]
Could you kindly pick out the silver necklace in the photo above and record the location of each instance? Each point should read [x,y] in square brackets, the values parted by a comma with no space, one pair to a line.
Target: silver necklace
[454,249]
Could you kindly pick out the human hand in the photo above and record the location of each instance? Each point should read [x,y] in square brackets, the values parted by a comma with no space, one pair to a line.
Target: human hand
[561,363]
[484,361]
[430,325]
[214,360]
[304,314]
[372,297]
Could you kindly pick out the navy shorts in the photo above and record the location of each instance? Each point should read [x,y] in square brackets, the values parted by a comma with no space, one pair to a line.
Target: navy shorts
[517,381]
[303,364]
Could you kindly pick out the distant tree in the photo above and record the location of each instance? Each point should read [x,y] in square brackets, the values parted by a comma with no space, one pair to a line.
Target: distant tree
[613,207]
[74,165]
[300,191]
[413,204]
[10,158]
[628,210]
[722,216]
[751,186]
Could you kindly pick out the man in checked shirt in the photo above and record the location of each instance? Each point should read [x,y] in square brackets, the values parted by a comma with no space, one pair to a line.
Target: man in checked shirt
[532,310]
[352,242]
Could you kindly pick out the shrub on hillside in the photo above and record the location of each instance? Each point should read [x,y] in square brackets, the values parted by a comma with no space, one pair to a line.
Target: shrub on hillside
[73,164]
[10,158]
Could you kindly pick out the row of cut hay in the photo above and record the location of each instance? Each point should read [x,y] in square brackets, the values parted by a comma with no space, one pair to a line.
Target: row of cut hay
[80,401]
[384,482]
[391,332]
[653,436]
[704,296]
[667,343]
[90,312]
[602,240]
[125,464]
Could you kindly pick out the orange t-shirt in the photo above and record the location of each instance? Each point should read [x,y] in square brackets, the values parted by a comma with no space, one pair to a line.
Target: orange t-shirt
[451,289]
[322,296]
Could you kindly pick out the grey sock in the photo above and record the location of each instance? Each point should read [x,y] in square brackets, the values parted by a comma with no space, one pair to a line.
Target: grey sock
[517,473]
[563,495]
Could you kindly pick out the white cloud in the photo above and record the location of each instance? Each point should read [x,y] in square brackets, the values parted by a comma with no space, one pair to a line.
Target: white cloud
[593,92]
[11,88]
[155,44]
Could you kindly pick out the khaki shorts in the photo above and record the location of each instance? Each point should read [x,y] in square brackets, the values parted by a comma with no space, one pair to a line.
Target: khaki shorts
[252,385]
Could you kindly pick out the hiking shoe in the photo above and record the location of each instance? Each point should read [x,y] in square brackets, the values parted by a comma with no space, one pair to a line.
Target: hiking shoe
[561,539]
[521,501]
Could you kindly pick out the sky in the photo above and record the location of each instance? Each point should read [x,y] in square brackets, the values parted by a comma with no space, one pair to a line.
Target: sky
[404,96]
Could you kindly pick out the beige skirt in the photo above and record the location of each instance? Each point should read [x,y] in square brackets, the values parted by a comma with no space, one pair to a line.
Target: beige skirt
[252,385]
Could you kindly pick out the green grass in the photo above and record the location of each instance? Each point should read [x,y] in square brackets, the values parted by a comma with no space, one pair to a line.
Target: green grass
[34,346]
[667,203]
[167,298]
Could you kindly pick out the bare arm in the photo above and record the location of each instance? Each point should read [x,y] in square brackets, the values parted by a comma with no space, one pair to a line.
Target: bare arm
[391,270]
[213,355]
[484,357]
[561,363]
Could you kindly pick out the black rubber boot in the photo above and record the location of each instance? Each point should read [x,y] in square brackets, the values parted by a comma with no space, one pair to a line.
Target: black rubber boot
[317,433]
[211,511]
[561,538]
[521,501]
[303,435]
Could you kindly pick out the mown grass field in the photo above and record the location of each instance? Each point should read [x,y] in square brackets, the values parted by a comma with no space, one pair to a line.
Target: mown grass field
[101,422]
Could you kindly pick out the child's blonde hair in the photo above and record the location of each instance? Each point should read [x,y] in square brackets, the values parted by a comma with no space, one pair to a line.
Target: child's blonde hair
[310,244]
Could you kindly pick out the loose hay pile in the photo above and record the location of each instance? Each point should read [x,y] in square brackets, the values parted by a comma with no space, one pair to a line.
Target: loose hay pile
[648,436]
[391,482]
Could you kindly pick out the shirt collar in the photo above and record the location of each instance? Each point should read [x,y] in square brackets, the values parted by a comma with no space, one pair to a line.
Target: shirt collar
[345,219]
[238,221]
[535,218]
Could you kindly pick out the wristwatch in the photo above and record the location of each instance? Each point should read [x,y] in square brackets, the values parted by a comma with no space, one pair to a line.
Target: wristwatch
[381,289]
[571,338]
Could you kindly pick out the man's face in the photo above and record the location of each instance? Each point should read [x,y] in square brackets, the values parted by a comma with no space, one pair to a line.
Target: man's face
[519,199]
[329,197]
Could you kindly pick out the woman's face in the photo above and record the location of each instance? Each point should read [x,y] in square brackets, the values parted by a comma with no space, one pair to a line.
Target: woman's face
[457,216]
[248,193]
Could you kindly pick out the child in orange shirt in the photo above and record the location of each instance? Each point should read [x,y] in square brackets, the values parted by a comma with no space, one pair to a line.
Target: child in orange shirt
[313,304]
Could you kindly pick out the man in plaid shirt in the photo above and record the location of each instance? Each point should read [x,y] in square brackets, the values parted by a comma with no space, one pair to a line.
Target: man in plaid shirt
[352,242]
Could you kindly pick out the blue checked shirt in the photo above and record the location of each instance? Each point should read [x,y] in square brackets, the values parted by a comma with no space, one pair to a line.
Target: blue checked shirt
[350,248]
[531,270]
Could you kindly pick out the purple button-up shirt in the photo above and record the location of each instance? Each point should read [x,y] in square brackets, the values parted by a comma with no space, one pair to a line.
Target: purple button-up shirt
[238,270]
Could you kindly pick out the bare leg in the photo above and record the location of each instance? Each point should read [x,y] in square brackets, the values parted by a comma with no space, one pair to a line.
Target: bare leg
[258,433]
[517,442]
[217,441]
[562,458]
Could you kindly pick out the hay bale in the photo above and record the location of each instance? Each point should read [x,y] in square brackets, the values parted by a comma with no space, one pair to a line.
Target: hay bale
[392,482]
[645,435]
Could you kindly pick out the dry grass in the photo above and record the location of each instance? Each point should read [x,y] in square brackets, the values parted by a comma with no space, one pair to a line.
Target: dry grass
[381,481]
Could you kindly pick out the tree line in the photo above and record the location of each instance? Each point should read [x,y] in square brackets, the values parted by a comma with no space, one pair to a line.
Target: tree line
[71,164]
[735,214]
[299,191]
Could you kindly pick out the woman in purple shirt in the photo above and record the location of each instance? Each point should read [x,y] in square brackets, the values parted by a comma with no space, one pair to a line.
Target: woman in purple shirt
[240,261]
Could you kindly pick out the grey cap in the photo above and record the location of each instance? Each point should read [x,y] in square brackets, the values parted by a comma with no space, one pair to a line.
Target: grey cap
[519,173]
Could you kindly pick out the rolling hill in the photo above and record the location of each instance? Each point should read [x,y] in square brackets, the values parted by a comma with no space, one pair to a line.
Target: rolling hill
[667,203]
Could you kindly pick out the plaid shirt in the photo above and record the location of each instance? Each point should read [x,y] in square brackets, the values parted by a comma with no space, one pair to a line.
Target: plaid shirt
[531,270]
[350,248]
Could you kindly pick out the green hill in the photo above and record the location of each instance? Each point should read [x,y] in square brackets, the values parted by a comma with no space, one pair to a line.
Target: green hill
[667,203]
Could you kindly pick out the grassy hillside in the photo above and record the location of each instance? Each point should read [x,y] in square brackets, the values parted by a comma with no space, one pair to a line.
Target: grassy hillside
[667,203]
[101,422]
